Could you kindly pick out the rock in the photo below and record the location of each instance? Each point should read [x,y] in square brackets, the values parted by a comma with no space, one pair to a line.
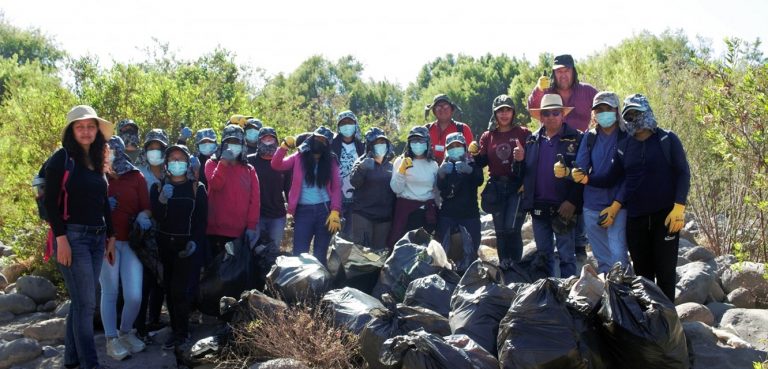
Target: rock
[13,271]
[10,288]
[18,351]
[280,364]
[689,232]
[527,230]
[6,316]
[50,351]
[52,329]
[742,298]
[37,288]
[699,253]
[694,280]
[718,309]
[684,246]
[161,335]
[724,262]
[682,261]
[62,310]
[748,275]
[693,312]
[750,324]
[486,222]
[47,307]
[709,353]
[488,241]
[3,282]
[17,303]
[716,293]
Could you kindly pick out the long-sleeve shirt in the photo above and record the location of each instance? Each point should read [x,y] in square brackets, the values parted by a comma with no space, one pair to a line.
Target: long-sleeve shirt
[130,191]
[580,99]
[234,198]
[293,163]
[185,214]
[275,186]
[459,193]
[496,151]
[418,182]
[373,199]
[599,162]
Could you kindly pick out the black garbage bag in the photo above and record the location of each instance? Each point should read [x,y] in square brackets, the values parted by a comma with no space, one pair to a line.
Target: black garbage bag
[433,292]
[144,245]
[640,325]
[229,274]
[395,320]
[531,268]
[479,303]
[265,252]
[350,307]
[423,350]
[354,266]
[538,330]
[207,350]
[299,278]
[481,358]
[414,256]
[459,248]
[250,304]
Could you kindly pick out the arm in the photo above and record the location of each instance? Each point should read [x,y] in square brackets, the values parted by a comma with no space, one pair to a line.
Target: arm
[397,183]
[216,174]
[682,169]
[254,208]
[612,176]
[357,177]
[534,99]
[158,209]
[108,217]
[141,188]
[287,176]
[482,158]
[467,133]
[280,162]
[200,215]
[477,176]
[583,160]
[335,187]
[54,171]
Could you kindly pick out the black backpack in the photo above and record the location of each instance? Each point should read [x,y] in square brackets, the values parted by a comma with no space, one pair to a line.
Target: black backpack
[39,182]
[665,141]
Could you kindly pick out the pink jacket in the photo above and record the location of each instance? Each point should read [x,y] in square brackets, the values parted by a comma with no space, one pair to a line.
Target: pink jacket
[281,163]
[234,199]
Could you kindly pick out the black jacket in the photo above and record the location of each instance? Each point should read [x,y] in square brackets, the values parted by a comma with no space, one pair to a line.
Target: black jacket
[459,193]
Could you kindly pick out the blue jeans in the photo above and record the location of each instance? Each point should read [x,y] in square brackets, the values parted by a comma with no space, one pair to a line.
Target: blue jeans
[87,244]
[507,223]
[309,222]
[275,227]
[445,223]
[543,235]
[128,272]
[608,245]
[582,237]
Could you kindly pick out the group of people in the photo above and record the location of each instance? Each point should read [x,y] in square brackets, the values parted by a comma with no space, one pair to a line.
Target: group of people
[595,172]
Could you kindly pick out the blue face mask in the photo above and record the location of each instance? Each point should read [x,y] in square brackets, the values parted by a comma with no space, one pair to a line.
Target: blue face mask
[155,157]
[252,135]
[235,148]
[418,148]
[606,118]
[380,149]
[455,153]
[207,148]
[347,130]
[177,168]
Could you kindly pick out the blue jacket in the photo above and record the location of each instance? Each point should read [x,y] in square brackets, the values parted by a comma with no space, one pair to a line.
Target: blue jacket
[598,161]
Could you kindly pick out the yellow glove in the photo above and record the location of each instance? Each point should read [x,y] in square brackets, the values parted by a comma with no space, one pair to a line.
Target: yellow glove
[608,214]
[238,119]
[676,219]
[543,83]
[289,142]
[561,171]
[473,148]
[405,164]
[579,176]
[333,222]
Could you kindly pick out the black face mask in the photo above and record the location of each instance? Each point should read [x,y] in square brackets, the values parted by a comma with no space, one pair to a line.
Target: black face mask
[317,147]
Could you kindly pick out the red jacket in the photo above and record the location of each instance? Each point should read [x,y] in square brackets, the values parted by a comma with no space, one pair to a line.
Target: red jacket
[234,199]
[130,191]
[437,138]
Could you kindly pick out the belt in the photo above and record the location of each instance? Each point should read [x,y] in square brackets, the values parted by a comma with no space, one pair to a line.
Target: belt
[86,228]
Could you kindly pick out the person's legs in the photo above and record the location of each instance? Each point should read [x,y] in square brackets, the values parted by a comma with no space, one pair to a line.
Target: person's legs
[275,227]
[380,232]
[322,237]
[473,226]
[617,239]
[566,243]
[542,234]
[109,278]
[640,247]
[303,229]
[131,276]
[346,220]
[598,238]
[581,240]
[665,247]
[361,231]
[178,296]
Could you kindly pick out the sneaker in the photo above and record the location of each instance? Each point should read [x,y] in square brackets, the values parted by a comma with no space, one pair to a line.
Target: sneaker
[175,341]
[133,343]
[116,350]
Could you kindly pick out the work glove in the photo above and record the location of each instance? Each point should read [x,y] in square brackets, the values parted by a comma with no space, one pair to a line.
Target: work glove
[445,169]
[112,203]
[579,176]
[367,164]
[463,167]
[189,249]
[228,155]
[543,83]
[186,133]
[194,163]
[252,236]
[289,142]
[333,222]
[473,148]
[608,215]
[166,193]
[405,164]
[676,219]
[561,171]
[143,221]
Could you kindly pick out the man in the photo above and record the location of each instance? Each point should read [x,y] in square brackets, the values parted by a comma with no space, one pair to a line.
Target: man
[443,108]
[348,146]
[657,178]
[252,127]
[553,203]
[565,82]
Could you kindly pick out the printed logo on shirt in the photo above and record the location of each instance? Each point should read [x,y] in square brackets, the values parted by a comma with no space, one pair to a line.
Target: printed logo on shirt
[347,161]
[571,149]
[504,152]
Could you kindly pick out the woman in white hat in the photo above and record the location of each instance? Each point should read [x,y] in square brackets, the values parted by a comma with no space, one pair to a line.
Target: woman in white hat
[79,214]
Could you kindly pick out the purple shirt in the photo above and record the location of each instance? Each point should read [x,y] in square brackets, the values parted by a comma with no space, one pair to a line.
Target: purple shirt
[581,100]
[545,175]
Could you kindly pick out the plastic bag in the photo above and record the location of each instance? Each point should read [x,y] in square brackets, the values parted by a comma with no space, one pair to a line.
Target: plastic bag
[458,244]
[243,310]
[354,266]
[351,307]
[299,278]
[433,292]
[423,350]
[144,245]
[587,293]
[229,274]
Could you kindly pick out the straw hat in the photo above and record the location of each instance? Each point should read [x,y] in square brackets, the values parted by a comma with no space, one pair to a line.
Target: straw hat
[86,112]
[550,102]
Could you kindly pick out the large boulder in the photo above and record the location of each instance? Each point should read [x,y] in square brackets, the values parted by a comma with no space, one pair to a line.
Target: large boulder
[724,262]
[3,282]
[699,253]
[63,310]
[716,293]
[37,288]
[18,351]
[17,303]
[748,275]
[694,282]
[708,352]
[742,298]
[51,329]
[693,312]
[718,309]
[750,324]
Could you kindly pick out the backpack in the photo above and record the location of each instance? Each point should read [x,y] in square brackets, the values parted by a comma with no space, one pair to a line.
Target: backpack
[665,141]
[63,200]
[459,127]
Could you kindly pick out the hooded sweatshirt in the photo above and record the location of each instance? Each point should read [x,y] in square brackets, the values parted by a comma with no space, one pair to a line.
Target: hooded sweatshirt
[234,198]
[293,163]
[373,199]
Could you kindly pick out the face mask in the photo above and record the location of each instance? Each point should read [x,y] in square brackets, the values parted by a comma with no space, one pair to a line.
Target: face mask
[130,138]
[133,155]
[606,118]
[177,168]
[456,153]
[418,148]
[235,148]
[267,149]
[380,149]
[155,157]
[252,135]
[317,147]
[347,130]
[207,148]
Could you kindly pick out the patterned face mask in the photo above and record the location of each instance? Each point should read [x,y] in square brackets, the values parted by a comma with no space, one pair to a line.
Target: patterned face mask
[267,149]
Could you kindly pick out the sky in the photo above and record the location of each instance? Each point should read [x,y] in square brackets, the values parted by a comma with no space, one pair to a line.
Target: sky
[392,39]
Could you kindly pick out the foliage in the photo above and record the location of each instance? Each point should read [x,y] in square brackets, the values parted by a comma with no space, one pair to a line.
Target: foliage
[28,46]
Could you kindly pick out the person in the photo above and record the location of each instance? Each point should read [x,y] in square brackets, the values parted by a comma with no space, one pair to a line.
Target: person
[180,207]
[252,127]
[604,218]
[206,142]
[81,224]
[128,130]
[443,125]
[314,199]
[129,201]
[553,203]
[657,178]
[576,94]
[458,179]
[373,198]
[501,148]
[414,185]
[274,186]
[347,145]
[151,167]
[234,196]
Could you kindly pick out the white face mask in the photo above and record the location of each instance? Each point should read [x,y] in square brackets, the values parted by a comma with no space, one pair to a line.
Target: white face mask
[155,157]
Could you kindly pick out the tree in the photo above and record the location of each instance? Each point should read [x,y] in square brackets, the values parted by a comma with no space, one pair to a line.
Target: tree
[28,46]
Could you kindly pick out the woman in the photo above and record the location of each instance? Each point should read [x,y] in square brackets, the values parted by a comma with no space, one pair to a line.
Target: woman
[374,200]
[129,200]
[315,196]
[274,186]
[180,206]
[81,225]
[414,186]
[205,140]
[501,149]
[234,196]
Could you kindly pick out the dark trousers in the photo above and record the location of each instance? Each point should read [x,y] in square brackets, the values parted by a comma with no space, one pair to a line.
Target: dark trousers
[410,215]
[215,247]
[654,250]
[152,296]
[508,222]
[178,275]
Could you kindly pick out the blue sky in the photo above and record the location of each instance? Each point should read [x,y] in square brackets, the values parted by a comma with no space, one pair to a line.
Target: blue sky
[393,39]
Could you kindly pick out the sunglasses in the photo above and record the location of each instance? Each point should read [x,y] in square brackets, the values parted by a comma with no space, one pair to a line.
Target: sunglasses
[554,113]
